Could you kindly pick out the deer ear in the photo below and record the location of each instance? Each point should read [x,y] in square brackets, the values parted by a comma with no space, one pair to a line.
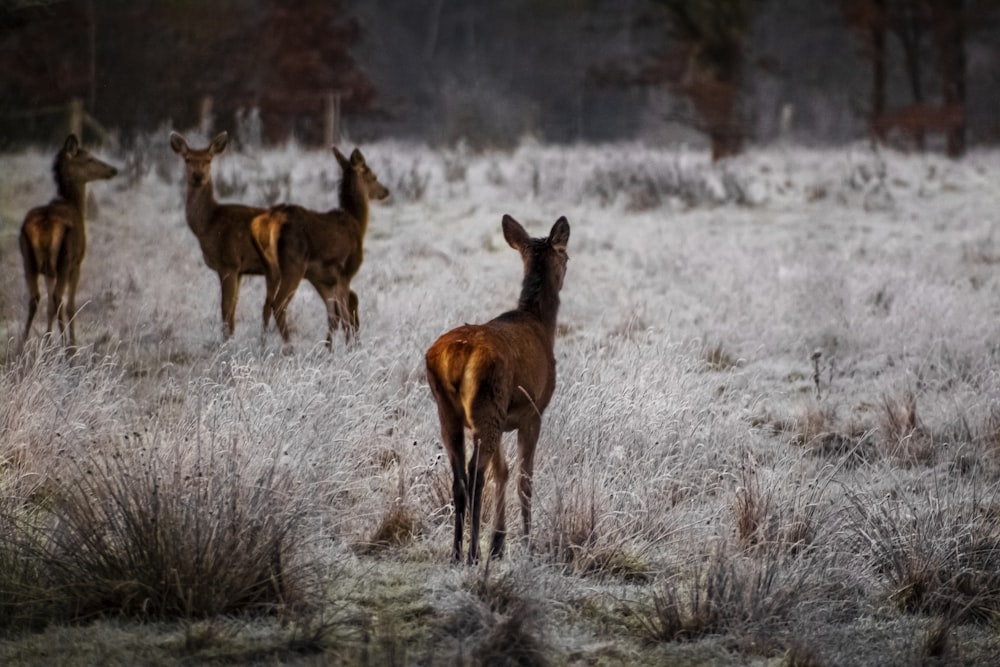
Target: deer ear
[219,143]
[72,144]
[559,236]
[357,158]
[178,144]
[344,164]
[514,233]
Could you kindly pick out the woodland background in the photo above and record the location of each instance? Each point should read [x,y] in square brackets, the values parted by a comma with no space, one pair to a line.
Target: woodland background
[819,72]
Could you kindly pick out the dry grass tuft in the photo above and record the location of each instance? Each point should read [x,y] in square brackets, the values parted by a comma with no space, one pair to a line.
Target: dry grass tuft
[718,358]
[399,526]
[800,655]
[579,538]
[135,531]
[764,522]
[818,429]
[751,512]
[936,640]
[499,621]
[751,601]
[938,556]
[903,437]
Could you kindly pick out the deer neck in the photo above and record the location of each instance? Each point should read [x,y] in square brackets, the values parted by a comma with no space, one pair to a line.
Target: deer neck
[199,206]
[354,201]
[75,192]
[540,297]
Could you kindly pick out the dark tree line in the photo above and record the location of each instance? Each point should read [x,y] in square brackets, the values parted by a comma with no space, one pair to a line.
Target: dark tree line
[138,63]
[493,72]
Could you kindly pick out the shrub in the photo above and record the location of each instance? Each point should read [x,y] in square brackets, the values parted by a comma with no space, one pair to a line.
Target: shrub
[935,555]
[145,531]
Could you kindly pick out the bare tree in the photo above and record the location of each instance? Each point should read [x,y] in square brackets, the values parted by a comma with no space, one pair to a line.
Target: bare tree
[706,63]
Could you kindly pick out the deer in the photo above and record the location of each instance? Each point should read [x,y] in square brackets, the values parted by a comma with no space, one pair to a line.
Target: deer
[498,377]
[324,248]
[53,237]
[222,230]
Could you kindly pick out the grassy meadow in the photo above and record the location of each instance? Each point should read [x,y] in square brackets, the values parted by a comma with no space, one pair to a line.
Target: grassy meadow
[775,438]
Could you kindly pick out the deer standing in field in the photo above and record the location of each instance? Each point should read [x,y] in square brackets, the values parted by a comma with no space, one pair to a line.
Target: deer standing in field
[54,237]
[222,230]
[324,248]
[497,377]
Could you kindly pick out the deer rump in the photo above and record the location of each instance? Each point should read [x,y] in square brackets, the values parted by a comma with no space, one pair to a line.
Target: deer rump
[504,363]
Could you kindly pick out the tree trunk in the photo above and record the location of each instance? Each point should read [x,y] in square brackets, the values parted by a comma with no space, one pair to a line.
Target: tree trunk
[949,33]
[877,44]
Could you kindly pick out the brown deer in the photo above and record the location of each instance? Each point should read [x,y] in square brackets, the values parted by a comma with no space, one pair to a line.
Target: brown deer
[54,237]
[911,123]
[324,248]
[223,230]
[498,377]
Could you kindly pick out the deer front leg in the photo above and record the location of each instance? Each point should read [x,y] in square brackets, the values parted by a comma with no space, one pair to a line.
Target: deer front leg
[230,283]
[346,315]
[56,287]
[527,439]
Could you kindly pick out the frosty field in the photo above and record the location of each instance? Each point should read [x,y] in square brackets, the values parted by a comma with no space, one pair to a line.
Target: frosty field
[775,437]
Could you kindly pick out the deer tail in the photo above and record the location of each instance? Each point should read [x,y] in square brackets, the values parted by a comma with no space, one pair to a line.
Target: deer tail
[265,229]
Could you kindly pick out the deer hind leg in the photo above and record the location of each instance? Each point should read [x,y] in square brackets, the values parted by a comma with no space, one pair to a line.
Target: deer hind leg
[486,445]
[70,310]
[453,437]
[500,474]
[287,284]
[31,279]
[272,280]
[527,438]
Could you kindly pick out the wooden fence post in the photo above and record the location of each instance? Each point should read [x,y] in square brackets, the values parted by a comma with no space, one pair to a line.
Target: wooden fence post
[76,117]
[331,119]
[205,120]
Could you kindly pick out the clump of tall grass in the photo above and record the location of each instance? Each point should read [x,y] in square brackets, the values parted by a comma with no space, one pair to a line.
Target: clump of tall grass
[497,618]
[146,530]
[579,532]
[903,436]
[720,592]
[937,552]
[782,516]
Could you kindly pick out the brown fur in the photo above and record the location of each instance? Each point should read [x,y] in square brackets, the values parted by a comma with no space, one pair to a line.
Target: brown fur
[54,237]
[498,377]
[913,122]
[222,230]
[324,248]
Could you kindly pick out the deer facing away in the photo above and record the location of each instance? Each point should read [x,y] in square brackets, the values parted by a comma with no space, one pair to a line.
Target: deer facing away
[324,248]
[222,230]
[54,237]
[497,377]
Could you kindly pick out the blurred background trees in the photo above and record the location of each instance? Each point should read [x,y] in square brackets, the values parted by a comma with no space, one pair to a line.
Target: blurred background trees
[719,73]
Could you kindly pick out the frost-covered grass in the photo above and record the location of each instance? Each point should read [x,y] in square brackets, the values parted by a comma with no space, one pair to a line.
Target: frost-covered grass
[775,436]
